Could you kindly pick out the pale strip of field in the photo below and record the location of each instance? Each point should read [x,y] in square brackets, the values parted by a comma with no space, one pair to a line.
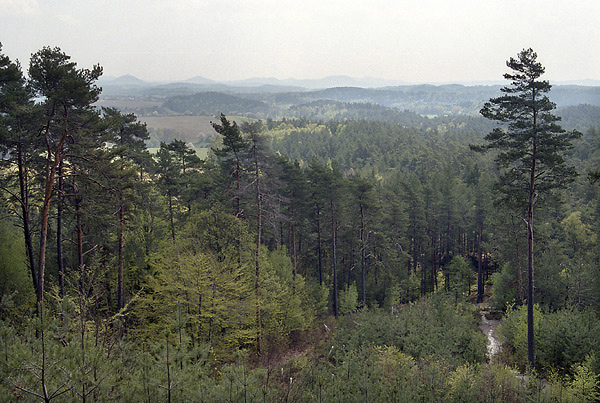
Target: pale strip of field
[201,152]
[190,128]
[127,104]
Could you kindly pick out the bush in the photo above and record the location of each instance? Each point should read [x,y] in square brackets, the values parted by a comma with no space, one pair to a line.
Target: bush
[16,292]
[585,386]
[563,338]
[505,291]
[432,326]
[348,300]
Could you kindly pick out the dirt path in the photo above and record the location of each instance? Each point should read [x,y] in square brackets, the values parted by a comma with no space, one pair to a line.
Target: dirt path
[488,327]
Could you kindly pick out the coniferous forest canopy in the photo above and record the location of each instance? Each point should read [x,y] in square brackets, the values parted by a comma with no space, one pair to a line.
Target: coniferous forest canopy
[281,244]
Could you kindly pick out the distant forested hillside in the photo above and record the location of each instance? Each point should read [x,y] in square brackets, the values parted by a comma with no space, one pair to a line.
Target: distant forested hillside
[425,99]
[212,103]
[580,117]
[333,102]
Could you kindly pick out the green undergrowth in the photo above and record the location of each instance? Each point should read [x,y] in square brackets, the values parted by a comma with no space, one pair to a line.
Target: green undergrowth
[431,350]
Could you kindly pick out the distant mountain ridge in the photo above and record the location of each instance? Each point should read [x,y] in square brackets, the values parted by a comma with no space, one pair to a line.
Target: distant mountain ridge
[123,80]
[311,84]
[321,83]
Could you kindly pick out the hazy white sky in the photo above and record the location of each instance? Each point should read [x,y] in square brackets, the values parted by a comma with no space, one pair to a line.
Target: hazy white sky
[408,40]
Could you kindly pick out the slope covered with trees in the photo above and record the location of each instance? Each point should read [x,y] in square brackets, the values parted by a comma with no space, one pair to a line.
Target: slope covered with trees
[301,260]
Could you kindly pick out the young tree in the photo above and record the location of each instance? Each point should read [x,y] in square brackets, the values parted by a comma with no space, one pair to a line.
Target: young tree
[530,147]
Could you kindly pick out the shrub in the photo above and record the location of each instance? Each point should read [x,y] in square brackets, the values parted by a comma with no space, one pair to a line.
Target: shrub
[563,338]
[431,326]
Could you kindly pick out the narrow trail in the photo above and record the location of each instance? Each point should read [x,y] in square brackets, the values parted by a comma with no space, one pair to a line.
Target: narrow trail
[488,327]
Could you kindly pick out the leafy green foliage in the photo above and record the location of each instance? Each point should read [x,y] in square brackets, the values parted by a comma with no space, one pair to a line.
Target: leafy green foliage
[431,326]
[585,386]
[213,102]
[15,281]
[349,300]
[460,273]
[505,288]
[564,337]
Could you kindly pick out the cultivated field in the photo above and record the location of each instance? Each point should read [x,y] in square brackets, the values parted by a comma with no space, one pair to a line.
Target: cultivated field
[189,128]
[127,104]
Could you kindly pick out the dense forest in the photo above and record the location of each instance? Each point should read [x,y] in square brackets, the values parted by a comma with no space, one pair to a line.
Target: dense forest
[347,251]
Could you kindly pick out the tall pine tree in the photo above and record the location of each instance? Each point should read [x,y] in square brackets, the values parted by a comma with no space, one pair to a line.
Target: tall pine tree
[530,147]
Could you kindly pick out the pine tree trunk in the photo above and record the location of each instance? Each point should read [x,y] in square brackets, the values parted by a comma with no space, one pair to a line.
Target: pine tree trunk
[519,269]
[414,248]
[107,280]
[82,279]
[51,167]
[24,192]
[319,250]
[363,256]
[258,241]
[238,190]
[293,247]
[530,289]
[44,234]
[120,280]
[433,266]
[334,259]
[59,228]
[479,268]
[530,268]
[171,219]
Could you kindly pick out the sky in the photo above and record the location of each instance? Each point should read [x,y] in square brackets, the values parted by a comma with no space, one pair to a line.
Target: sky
[415,41]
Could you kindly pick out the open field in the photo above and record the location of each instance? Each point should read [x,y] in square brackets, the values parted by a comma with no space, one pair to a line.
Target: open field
[127,104]
[201,152]
[189,128]
[194,129]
